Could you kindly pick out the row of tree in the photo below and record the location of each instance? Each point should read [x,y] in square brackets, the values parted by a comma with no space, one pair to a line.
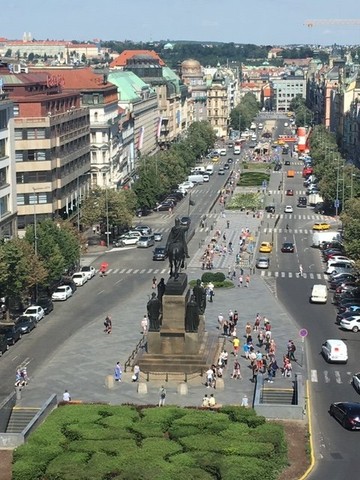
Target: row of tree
[339,182]
[303,115]
[38,260]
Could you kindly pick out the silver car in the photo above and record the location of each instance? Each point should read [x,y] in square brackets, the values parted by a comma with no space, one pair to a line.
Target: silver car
[146,241]
[263,262]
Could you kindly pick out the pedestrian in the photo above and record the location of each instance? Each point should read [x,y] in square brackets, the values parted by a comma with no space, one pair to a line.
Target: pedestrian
[220,321]
[261,338]
[108,324]
[154,283]
[136,375]
[291,350]
[255,371]
[236,345]
[300,270]
[246,349]
[245,401]
[212,401]
[205,401]
[234,275]
[223,358]
[225,328]
[230,248]
[247,281]
[209,378]
[236,374]
[94,230]
[66,396]
[229,271]
[257,322]
[240,281]
[117,372]
[227,223]
[235,317]
[144,325]
[224,237]
[248,330]
[162,396]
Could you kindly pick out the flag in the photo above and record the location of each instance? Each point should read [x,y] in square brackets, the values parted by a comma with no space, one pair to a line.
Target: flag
[158,133]
[141,138]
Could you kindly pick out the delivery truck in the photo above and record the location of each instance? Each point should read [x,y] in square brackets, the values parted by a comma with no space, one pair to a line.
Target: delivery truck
[315,198]
[328,236]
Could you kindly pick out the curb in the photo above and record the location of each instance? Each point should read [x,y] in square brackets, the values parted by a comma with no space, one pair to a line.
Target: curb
[312,456]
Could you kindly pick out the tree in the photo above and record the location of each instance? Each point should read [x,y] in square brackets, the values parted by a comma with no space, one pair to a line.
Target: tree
[20,269]
[31,56]
[244,114]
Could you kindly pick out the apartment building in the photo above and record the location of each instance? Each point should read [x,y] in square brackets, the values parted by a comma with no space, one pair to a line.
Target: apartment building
[191,73]
[52,146]
[8,211]
[287,87]
[218,104]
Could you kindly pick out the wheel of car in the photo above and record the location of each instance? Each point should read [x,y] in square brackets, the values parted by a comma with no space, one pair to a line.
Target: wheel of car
[355,329]
[122,244]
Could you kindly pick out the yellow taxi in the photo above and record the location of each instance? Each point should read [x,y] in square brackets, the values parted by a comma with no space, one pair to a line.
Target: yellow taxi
[215,159]
[265,247]
[321,226]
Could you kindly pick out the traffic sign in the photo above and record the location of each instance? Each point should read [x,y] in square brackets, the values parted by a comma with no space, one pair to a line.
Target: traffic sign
[303,332]
[337,203]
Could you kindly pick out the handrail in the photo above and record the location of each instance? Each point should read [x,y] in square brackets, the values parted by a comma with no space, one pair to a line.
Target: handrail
[141,344]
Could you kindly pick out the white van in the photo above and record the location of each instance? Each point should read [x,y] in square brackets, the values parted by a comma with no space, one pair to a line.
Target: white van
[237,150]
[210,169]
[197,179]
[319,294]
[201,170]
[335,351]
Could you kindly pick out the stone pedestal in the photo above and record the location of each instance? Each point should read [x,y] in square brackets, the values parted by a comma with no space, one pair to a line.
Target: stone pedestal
[172,349]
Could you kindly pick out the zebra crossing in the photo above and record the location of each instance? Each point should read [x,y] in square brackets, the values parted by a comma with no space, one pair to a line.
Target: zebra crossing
[301,193]
[310,275]
[295,231]
[299,216]
[137,271]
[327,376]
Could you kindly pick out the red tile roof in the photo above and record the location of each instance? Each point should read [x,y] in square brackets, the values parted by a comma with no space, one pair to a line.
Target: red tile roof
[77,78]
[121,60]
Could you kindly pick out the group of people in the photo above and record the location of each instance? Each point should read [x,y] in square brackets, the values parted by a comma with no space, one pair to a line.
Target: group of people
[21,377]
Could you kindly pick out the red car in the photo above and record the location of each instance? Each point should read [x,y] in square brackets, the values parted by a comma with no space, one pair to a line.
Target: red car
[307,171]
[290,193]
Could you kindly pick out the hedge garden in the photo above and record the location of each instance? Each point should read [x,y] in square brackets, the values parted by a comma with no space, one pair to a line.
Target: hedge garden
[102,442]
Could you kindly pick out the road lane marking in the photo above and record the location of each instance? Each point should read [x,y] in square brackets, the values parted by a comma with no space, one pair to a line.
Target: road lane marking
[101,291]
[314,376]
[337,377]
[116,270]
[123,270]
[150,270]
[129,271]
[326,376]
[136,271]
[121,279]
[282,274]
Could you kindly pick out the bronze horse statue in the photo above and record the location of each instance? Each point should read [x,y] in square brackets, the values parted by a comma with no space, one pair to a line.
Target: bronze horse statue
[176,259]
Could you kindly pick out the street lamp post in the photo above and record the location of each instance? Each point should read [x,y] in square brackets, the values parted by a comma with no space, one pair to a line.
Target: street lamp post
[107,218]
[337,189]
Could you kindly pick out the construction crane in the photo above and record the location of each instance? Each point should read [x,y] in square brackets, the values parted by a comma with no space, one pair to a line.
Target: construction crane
[354,22]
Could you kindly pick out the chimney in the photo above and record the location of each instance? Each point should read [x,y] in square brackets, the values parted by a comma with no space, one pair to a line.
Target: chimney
[105,77]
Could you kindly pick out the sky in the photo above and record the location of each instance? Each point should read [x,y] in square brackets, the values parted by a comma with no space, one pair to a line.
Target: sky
[261,22]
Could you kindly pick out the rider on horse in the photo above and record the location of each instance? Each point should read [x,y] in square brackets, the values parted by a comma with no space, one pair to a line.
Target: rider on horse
[176,245]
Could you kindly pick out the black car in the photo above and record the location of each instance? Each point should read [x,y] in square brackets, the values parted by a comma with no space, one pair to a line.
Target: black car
[171,198]
[11,332]
[347,413]
[46,303]
[287,247]
[143,211]
[177,194]
[26,323]
[334,283]
[277,167]
[185,221]
[341,299]
[230,160]
[160,254]
[270,208]
[287,162]
[226,166]
[164,206]
[4,346]
[346,304]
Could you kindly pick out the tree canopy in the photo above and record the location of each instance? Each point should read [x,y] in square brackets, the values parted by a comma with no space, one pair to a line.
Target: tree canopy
[244,113]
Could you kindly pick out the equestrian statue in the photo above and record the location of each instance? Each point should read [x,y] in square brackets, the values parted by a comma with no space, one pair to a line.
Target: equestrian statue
[176,248]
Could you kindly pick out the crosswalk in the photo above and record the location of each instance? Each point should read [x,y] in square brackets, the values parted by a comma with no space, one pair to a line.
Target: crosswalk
[327,376]
[310,275]
[301,216]
[137,271]
[295,231]
[301,193]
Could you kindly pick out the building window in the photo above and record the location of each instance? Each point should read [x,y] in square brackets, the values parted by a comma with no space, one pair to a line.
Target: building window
[93,137]
[2,147]
[19,156]
[4,205]
[18,134]
[20,199]
[96,115]
[93,157]
[3,119]
[36,133]
[16,110]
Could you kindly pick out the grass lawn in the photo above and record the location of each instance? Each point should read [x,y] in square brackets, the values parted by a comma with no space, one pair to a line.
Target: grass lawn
[100,442]
[256,166]
[252,179]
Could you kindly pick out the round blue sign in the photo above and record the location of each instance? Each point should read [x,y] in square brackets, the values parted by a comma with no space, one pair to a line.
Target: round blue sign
[303,332]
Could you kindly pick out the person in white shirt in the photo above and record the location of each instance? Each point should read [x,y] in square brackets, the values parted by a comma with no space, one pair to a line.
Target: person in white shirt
[144,324]
[210,378]
[212,401]
[66,396]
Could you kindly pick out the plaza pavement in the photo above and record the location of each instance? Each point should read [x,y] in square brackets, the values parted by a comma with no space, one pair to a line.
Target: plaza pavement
[83,362]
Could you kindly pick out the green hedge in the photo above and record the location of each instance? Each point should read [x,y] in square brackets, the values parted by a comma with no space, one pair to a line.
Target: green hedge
[100,442]
[213,277]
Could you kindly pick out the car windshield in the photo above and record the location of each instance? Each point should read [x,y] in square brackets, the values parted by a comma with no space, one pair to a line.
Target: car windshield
[31,310]
[85,269]
[143,239]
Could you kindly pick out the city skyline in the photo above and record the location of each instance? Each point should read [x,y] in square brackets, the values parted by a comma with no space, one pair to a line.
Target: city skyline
[271,22]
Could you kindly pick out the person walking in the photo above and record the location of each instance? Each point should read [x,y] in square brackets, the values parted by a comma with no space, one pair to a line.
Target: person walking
[248,330]
[291,350]
[117,372]
[235,317]
[227,223]
[255,371]
[236,345]
[241,281]
[154,283]
[136,375]
[66,396]
[301,270]
[236,374]
[247,281]
[108,324]
[209,378]
[162,396]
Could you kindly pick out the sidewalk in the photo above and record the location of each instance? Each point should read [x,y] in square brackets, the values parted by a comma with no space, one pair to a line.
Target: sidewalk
[82,364]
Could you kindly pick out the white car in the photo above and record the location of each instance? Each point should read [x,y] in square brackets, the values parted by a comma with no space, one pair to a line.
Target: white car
[79,278]
[128,239]
[89,271]
[62,293]
[35,311]
[206,177]
[223,152]
[186,185]
[340,258]
[335,350]
[288,209]
[351,323]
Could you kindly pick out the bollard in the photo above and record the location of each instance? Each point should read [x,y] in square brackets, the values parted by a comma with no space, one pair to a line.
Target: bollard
[18,393]
[211,227]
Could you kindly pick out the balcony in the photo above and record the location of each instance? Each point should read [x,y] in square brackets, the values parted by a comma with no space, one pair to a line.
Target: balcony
[78,133]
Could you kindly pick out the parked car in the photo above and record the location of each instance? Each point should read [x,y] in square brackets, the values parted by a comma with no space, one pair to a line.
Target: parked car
[46,303]
[352,323]
[164,206]
[160,254]
[146,241]
[347,413]
[349,295]
[62,293]
[226,167]
[26,323]
[262,262]
[35,311]
[143,211]
[287,247]
[11,332]
[69,282]
[127,239]
[143,229]
[80,278]
[89,271]
[346,304]
[4,346]
[356,381]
